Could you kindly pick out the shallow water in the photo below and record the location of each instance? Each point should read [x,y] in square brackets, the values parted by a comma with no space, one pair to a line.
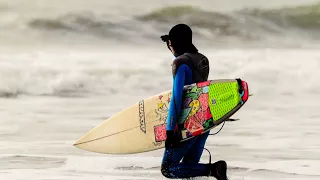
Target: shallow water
[277,136]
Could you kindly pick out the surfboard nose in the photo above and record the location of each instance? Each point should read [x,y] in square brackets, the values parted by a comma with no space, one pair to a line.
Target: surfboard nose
[88,143]
[78,142]
[81,141]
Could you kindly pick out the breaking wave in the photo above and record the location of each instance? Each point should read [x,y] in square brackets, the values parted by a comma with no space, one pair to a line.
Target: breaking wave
[86,23]
[306,17]
[245,23]
[217,23]
[76,83]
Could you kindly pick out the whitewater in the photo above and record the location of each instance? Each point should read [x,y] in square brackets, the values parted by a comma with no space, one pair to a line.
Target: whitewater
[66,66]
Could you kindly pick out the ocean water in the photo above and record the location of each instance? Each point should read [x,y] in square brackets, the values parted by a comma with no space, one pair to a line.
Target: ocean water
[66,66]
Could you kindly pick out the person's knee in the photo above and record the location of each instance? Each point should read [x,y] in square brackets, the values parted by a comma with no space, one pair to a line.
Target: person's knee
[166,171]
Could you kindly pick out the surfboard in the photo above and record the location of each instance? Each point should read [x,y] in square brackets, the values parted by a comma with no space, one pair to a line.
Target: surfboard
[142,126]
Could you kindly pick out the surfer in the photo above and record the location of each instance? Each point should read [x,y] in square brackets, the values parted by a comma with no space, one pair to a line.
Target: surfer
[181,159]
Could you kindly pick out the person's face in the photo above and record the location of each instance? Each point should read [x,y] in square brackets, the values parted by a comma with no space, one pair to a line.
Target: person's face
[170,47]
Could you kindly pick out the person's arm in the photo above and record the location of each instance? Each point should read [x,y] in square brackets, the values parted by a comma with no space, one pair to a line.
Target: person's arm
[176,97]
[176,102]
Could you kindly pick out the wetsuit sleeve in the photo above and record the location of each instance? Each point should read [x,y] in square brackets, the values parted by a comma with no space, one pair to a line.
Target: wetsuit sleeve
[182,74]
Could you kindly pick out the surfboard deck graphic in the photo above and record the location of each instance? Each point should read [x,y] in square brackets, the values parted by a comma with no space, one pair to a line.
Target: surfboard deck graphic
[142,127]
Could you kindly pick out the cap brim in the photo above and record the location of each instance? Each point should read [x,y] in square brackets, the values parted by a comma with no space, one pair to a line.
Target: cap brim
[165,38]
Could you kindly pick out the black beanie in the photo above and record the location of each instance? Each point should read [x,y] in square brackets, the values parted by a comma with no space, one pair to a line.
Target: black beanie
[181,39]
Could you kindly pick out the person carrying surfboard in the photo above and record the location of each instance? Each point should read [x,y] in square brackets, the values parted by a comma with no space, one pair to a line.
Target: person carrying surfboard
[181,159]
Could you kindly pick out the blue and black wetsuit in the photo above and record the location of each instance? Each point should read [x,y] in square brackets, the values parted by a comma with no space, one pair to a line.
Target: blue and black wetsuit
[182,77]
[187,69]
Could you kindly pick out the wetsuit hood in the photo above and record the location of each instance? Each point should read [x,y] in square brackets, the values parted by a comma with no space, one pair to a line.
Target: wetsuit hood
[181,39]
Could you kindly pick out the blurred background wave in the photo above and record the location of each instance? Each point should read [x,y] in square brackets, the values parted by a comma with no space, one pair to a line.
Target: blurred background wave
[143,22]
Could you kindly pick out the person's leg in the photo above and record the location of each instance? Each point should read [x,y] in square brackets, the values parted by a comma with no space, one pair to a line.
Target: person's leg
[217,169]
[172,168]
[172,156]
[183,170]
[176,153]
[195,152]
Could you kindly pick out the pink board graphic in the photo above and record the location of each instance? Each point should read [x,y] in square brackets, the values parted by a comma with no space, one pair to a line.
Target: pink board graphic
[194,114]
[160,132]
[200,113]
[194,126]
